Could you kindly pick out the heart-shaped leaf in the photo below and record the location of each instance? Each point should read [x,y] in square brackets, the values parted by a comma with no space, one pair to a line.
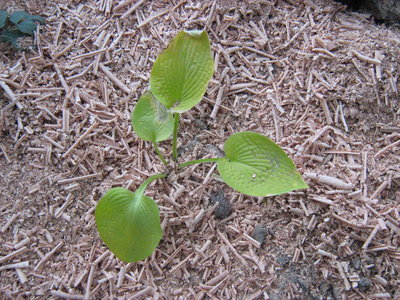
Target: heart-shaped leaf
[37,19]
[129,223]
[27,26]
[181,73]
[256,166]
[18,16]
[151,120]
[3,18]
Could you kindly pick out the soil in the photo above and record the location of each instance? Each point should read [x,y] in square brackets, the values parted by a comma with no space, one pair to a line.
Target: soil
[320,81]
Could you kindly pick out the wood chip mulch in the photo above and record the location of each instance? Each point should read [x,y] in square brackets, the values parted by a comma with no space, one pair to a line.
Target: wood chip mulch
[319,80]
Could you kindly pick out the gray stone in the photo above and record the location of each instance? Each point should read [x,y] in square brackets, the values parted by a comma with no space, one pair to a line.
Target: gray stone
[224,207]
[386,10]
[259,233]
[382,10]
[364,284]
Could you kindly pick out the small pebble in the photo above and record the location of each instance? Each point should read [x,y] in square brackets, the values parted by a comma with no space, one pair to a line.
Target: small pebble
[200,124]
[356,263]
[259,233]
[188,147]
[224,208]
[283,261]
[273,296]
[364,284]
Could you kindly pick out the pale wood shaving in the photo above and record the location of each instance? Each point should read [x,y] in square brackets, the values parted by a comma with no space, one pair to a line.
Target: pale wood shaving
[329,180]
[9,222]
[21,276]
[10,94]
[365,58]
[47,256]
[343,275]
[19,265]
[319,80]
[12,254]
[63,295]
[392,145]
[81,138]
[229,245]
[114,79]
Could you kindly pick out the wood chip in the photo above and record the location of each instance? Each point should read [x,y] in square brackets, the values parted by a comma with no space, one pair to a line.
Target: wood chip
[79,178]
[81,138]
[346,282]
[321,81]
[47,256]
[329,180]
[12,254]
[9,222]
[114,79]
[365,58]
[24,264]
[392,145]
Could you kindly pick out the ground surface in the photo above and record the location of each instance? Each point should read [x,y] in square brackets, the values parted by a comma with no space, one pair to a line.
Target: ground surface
[320,81]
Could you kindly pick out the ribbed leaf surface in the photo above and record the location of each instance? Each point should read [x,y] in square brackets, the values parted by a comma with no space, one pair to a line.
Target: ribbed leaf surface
[151,120]
[181,73]
[128,223]
[256,166]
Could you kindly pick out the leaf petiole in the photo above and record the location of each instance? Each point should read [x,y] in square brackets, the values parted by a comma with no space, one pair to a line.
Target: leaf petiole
[160,154]
[140,191]
[199,161]
[175,137]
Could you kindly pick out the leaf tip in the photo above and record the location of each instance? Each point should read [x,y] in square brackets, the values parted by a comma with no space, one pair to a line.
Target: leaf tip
[194,33]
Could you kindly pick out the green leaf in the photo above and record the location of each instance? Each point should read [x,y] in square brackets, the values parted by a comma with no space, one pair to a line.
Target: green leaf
[17,16]
[181,73]
[37,19]
[3,18]
[256,166]
[11,36]
[25,22]
[151,120]
[27,26]
[129,223]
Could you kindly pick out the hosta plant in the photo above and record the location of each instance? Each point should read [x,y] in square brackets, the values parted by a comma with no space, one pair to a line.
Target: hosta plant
[129,222]
[17,25]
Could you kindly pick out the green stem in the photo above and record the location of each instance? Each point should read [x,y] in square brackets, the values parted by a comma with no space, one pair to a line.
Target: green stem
[140,191]
[160,154]
[175,137]
[199,161]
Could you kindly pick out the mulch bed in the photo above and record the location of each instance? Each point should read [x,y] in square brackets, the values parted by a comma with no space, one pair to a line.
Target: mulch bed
[320,81]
